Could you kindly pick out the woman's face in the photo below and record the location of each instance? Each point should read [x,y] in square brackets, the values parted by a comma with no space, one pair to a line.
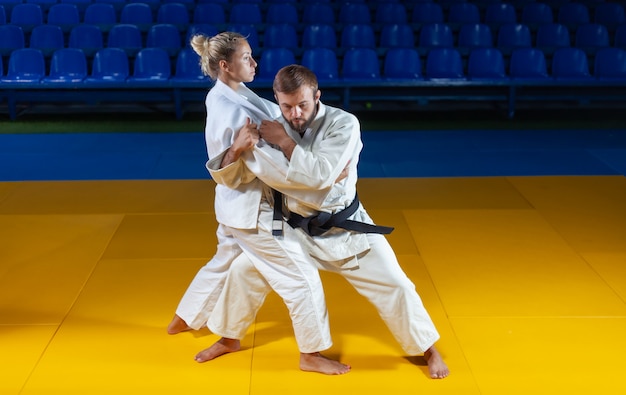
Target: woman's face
[241,67]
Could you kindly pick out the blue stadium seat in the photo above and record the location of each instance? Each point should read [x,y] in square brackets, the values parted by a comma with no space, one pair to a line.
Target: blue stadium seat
[126,37]
[47,38]
[528,64]
[357,36]
[318,13]
[397,36]
[8,6]
[175,14]
[591,37]
[619,38]
[272,60]
[444,63]
[165,36]
[189,4]
[26,65]
[536,14]
[360,64]
[474,35]
[89,38]
[323,62]
[570,64]
[402,64]
[110,65]
[321,35]
[26,16]
[552,36]
[498,14]
[427,13]
[80,4]
[354,13]
[200,28]
[151,65]
[117,4]
[281,13]
[138,14]
[3,15]
[44,4]
[66,16]
[209,13]
[390,13]
[11,38]
[512,36]
[610,64]
[248,31]
[610,15]
[435,35]
[281,35]
[463,13]
[573,14]
[245,13]
[67,65]
[486,64]
[102,15]
[188,67]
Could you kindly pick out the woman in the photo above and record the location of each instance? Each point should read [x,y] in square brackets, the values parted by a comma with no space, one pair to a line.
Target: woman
[245,217]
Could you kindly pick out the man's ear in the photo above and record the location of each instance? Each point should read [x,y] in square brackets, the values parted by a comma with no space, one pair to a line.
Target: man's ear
[318,94]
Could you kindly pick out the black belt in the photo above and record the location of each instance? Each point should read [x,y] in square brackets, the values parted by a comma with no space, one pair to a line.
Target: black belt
[316,225]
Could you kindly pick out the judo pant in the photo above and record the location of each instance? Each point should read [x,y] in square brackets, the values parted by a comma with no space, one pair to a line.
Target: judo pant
[281,265]
[379,278]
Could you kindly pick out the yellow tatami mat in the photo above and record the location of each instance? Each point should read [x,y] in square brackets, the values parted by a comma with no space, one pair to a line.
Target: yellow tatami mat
[525,278]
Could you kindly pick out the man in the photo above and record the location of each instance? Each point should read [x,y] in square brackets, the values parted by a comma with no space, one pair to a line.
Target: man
[315,166]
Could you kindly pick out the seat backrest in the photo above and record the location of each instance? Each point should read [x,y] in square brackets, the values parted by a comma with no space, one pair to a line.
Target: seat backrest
[319,35]
[139,14]
[205,29]
[100,14]
[570,63]
[47,38]
[536,14]
[11,38]
[64,15]
[318,13]
[619,37]
[282,35]
[152,64]
[67,64]
[465,12]
[110,65]
[514,35]
[26,65]
[390,13]
[402,64]
[354,13]
[166,36]
[497,14]
[528,63]
[610,63]
[357,36]
[249,13]
[188,66]
[89,38]
[281,13]
[610,15]
[27,16]
[444,63]
[323,62]
[486,63]
[436,35]
[272,60]
[212,13]
[247,30]
[397,36]
[125,36]
[360,64]
[176,14]
[573,14]
[592,35]
[3,15]
[553,35]
[475,35]
[427,13]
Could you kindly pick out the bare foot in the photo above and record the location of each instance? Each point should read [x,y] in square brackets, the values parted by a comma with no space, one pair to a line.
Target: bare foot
[221,347]
[316,362]
[436,366]
[177,325]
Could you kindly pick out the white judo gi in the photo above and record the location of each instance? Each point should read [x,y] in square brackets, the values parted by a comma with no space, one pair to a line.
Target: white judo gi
[367,261]
[245,225]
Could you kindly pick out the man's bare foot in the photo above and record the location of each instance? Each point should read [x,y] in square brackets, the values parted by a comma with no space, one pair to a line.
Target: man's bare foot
[436,366]
[177,325]
[221,347]
[316,362]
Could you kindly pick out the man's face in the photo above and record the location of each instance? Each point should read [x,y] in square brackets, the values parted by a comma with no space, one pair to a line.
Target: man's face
[299,107]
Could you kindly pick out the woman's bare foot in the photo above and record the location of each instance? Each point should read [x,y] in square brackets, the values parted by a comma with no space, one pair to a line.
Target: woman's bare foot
[177,325]
[221,347]
[316,362]
[436,366]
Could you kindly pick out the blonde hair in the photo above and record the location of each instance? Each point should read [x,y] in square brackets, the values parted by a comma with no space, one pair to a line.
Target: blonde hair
[212,50]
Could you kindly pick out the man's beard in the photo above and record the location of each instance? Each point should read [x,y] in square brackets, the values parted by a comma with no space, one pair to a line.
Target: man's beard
[305,125]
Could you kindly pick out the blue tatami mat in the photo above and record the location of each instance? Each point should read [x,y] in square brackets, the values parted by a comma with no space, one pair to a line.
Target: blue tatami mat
[118,156]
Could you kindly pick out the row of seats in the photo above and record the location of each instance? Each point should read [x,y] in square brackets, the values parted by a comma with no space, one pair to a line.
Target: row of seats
[533,13]
[153,65]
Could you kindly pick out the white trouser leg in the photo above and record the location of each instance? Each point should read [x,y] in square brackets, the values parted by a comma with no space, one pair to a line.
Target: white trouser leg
[291,273]
[200,297]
